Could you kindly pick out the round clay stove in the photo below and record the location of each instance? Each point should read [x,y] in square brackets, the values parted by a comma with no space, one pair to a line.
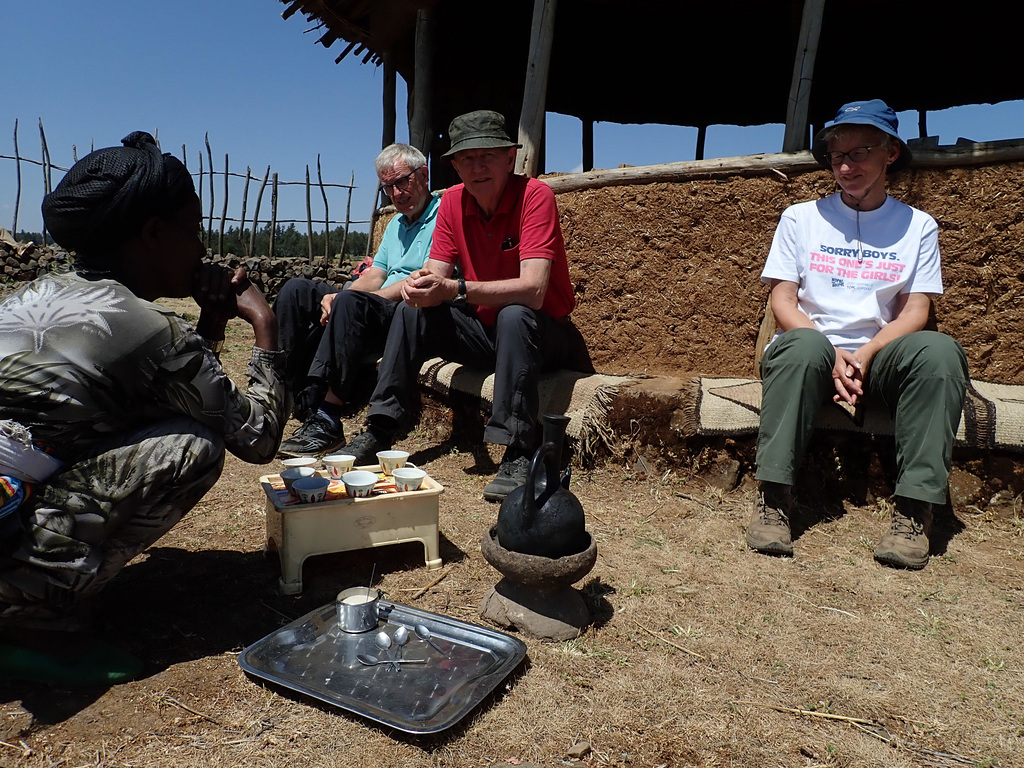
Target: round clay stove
[536,596]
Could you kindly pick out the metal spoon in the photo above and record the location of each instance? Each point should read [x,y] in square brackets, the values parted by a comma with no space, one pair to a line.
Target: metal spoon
[372,661]
[383,641]
[401,637]
[424,634]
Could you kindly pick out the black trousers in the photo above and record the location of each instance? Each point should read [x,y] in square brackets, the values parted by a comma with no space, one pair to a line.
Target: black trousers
[334,355]
[521,345]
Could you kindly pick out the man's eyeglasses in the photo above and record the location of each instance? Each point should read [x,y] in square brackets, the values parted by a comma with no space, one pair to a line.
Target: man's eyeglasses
[856,155]
[402,183]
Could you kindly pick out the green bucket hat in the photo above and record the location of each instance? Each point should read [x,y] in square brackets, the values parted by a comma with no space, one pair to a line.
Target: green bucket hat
[482,129]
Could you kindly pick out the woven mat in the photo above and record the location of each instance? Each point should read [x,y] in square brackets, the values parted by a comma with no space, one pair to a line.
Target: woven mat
[993,414]
[584,397]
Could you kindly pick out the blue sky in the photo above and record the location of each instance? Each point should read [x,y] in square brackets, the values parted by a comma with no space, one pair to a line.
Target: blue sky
[266,95]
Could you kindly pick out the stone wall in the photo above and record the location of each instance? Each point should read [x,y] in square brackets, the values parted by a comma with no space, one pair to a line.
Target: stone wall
[26,261]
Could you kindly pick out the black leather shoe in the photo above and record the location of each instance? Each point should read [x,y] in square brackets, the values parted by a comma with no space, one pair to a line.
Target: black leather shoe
[512,473]
[365,445]
[317,436]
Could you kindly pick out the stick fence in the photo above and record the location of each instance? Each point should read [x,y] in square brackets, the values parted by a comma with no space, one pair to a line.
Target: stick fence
[207,173]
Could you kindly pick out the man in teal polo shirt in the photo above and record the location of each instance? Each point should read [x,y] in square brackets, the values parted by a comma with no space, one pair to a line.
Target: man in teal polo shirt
[330,334]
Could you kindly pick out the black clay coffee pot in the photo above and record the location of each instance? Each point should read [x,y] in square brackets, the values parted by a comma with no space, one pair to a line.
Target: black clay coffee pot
[544,517]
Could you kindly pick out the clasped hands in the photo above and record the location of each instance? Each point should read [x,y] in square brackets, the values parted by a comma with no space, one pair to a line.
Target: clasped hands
[427,289]
[849,373]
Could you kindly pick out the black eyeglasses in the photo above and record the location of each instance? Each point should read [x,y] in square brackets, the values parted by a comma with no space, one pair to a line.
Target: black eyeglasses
[402,183]
[856,155]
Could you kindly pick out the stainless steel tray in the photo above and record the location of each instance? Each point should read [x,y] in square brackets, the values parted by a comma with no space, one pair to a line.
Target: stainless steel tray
[314,657]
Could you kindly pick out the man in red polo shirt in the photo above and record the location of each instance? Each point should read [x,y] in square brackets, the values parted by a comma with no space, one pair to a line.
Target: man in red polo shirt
[507,309]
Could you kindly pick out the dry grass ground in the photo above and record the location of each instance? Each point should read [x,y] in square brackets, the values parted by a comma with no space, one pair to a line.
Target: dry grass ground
[702,653]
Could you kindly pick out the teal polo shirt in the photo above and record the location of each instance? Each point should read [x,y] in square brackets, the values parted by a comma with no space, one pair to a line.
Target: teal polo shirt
[404,247]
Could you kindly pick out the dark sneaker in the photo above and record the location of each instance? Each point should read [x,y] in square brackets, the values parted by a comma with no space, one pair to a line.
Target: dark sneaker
[365,446]
[512,473]
[769,531]
[906,544]
[317,436]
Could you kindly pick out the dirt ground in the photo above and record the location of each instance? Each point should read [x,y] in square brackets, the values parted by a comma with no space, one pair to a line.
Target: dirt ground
[702,652]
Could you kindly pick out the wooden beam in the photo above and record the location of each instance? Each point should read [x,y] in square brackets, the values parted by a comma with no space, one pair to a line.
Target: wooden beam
[421,131]
[803,77]
[389,96]
[531,117]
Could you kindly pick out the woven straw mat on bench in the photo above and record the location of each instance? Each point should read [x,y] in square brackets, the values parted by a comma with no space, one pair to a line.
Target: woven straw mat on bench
[584,397]
[993,414]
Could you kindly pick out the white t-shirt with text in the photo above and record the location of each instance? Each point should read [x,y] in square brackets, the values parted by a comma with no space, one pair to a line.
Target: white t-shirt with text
[851,266]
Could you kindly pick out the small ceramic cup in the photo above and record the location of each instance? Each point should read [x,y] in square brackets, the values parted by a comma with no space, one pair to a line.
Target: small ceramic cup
[311,489]
[391,460]
[359,483]
[338,464]
[299,461]
[290,475]
[408,478]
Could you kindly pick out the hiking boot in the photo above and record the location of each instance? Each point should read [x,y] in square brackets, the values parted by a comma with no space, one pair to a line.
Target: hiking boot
[769,531]
[365,446]
[906,544]
[318,435]
[512,473]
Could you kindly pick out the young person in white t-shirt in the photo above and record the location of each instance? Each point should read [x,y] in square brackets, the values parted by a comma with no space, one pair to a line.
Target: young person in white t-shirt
[852,279]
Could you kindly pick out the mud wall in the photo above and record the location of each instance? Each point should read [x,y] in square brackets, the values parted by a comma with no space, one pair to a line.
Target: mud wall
[667,274]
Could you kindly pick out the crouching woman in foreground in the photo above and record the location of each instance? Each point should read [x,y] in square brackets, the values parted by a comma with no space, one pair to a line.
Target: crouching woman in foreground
[852,279]
[114,413]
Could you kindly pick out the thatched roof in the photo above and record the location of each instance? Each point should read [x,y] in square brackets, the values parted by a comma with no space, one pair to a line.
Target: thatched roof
[693,63]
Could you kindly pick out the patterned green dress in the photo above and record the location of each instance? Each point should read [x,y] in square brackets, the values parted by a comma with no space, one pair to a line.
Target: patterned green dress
[139,410]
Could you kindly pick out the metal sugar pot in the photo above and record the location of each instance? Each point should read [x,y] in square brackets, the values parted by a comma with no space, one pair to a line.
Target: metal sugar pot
[543,517]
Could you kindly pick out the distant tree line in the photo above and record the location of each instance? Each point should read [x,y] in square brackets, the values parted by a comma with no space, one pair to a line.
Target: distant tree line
[289,242]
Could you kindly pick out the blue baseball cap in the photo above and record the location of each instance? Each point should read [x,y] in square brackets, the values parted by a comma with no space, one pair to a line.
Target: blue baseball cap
[875,113]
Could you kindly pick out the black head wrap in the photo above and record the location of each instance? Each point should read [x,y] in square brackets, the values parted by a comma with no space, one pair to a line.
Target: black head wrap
[109,194]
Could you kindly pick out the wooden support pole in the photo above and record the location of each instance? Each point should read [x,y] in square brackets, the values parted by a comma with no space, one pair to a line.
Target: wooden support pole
[348,218]
[588,145]
[421,131]
[46,168]
[256,213]
[209,227]
[199,189]
[797,109]
[224,209]
[388,96]
[245,200]
[327,213]
[373,221]
[922,123]
[273,215]
[531,117]
[17,170]
[702,135]
[309,221]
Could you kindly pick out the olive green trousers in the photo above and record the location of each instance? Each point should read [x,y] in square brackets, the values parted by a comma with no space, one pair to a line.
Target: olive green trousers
[921,378]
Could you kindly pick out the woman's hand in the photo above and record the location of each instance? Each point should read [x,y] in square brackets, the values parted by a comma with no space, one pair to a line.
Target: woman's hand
[223,294]
[849,373]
